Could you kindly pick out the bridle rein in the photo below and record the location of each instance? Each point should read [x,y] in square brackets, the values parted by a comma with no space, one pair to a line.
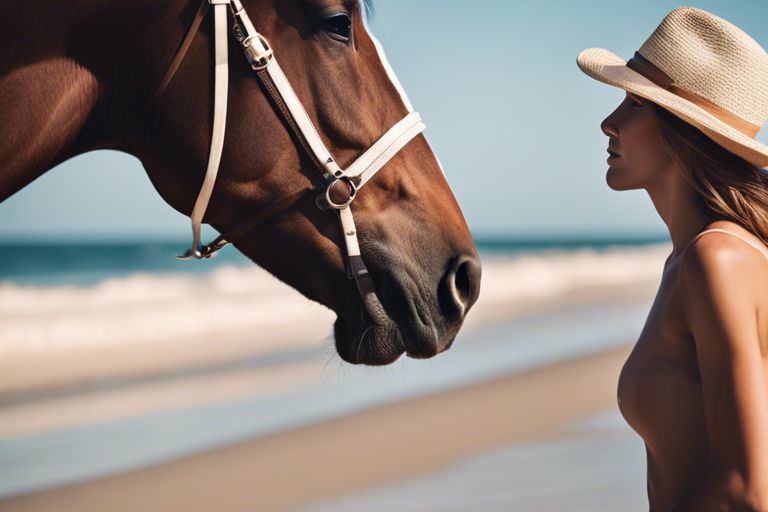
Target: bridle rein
[335,182]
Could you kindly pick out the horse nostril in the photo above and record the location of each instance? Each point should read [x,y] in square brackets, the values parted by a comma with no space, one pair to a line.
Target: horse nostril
[462,283]
[460,287]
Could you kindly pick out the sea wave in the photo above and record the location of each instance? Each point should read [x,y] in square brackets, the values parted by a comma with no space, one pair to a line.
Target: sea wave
[554,272]
[155,307]
[146,308]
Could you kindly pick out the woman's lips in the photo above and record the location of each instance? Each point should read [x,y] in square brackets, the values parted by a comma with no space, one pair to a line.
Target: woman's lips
[612,156]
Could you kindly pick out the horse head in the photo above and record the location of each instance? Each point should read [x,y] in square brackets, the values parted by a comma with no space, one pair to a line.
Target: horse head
[412,235]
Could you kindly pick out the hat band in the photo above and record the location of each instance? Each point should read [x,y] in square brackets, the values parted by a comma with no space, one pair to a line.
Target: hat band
[650,71]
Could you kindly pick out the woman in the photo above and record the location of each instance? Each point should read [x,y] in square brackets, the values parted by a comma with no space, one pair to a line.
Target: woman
[695,386]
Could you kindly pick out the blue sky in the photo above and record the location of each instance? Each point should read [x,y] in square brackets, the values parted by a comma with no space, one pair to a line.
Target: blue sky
[514,121]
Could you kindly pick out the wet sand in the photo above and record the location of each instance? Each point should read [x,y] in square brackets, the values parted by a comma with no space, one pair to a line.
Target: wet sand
[385,444]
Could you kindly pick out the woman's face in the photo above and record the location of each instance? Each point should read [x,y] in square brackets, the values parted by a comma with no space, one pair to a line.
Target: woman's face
[638,157]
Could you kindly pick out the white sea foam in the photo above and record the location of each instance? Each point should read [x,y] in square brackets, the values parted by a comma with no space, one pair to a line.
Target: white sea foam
[551,273]
[154,308]
[144,307]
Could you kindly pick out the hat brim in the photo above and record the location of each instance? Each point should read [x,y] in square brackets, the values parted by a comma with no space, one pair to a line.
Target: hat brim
[609,68]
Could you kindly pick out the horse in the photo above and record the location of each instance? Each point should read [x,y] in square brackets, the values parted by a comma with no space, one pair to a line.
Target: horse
[84,75]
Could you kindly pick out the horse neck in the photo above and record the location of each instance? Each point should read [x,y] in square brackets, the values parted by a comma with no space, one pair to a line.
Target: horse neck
[75,75]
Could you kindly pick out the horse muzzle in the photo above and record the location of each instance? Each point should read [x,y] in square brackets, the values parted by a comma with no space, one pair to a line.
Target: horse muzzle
[413,312]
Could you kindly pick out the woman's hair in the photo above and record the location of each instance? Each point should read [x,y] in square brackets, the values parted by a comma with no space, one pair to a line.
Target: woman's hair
[728,187]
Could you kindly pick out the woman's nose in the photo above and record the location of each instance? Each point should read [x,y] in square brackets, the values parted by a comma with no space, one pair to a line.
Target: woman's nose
[610,125]
[609,128]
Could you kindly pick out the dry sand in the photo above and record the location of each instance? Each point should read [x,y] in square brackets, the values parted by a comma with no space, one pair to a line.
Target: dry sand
[376,446]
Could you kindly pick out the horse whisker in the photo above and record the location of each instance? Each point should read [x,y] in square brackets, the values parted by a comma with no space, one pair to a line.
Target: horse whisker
[362,339]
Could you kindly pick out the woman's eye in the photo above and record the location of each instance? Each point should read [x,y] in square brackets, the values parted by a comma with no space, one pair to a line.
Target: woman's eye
[339,25]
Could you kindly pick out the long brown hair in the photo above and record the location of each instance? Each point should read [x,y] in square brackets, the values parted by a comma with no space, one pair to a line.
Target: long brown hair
[728,187]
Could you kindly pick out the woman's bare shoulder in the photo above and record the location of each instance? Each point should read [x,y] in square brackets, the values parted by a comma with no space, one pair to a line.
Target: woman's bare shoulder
[725,263]
[715,246]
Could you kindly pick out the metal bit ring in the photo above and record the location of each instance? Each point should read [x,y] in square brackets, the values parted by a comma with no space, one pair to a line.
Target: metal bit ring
[352,194]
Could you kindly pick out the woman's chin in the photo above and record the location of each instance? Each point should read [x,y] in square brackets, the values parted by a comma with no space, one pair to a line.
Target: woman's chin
[616,181]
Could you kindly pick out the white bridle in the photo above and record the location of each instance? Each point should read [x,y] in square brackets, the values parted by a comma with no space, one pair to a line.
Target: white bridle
[262,59]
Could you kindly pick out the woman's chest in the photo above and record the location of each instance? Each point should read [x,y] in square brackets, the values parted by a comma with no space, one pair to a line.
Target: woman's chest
[659,391]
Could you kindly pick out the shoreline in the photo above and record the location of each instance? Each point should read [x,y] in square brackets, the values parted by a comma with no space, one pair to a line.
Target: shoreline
[38,375]
[386,443]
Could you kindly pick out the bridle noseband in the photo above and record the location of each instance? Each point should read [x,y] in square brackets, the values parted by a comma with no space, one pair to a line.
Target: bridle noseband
[262,60]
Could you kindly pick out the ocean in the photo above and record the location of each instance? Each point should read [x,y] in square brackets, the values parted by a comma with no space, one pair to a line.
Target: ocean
[115,356]
[54,263]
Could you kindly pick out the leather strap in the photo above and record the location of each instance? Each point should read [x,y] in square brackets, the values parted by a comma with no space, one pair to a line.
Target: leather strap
[270,88]
[650,71]
[249,223]
[221,89]
[367,165]
[301,119]
[181,52]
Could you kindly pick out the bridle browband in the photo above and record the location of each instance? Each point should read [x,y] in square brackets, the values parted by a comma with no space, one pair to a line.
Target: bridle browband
[262,60]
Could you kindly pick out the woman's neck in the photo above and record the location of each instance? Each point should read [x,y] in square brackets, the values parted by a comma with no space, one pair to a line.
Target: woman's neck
[677,205]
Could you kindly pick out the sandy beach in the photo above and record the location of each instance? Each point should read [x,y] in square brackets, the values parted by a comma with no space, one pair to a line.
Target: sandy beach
[266,417]
[384,444]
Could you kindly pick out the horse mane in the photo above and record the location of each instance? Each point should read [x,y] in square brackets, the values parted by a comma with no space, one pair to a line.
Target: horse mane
[368,5]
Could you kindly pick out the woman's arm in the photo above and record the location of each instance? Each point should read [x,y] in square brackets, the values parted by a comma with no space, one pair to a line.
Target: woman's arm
[721,281]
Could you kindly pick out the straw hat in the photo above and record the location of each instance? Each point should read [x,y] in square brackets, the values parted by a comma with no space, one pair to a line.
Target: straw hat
[704,70]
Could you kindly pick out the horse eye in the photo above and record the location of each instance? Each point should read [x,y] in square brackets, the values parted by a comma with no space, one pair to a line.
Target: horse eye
[339,25]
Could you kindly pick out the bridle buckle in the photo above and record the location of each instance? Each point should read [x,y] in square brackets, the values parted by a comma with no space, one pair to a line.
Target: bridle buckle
[259,55]
[256,47]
